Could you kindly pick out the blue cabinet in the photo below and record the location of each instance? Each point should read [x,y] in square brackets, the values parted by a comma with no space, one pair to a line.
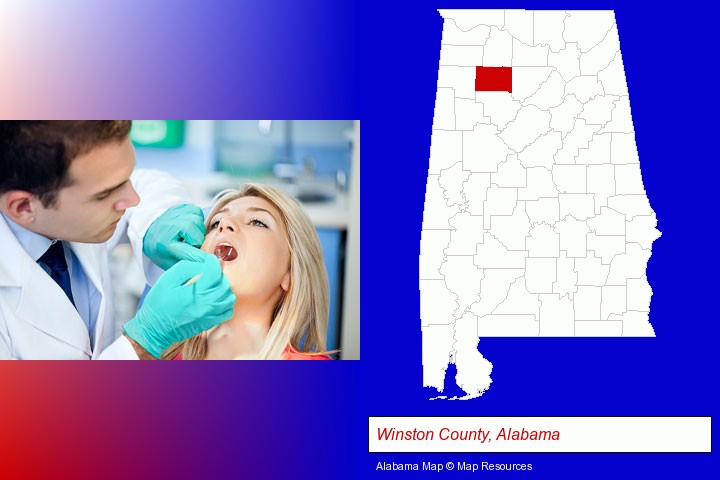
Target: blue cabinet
[332,243]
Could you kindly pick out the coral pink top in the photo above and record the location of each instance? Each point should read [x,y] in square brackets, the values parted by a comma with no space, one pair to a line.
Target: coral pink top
[289,354]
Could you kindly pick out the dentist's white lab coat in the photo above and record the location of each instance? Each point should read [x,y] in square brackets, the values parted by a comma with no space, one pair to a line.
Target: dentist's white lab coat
[37,320]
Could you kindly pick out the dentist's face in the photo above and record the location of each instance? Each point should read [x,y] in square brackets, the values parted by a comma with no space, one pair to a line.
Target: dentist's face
[89,209]
[250,236]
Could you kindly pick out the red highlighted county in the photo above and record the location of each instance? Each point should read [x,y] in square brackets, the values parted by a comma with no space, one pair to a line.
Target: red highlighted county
[493,79]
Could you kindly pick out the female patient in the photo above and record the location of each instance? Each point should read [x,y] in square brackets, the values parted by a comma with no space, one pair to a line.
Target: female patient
[271,255]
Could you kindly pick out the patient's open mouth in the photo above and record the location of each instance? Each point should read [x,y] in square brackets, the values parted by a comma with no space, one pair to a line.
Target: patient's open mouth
[225,252]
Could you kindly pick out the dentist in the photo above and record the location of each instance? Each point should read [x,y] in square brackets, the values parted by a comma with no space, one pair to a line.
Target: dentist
[68,196]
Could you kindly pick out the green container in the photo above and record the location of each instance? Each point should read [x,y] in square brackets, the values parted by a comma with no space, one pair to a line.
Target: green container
[158,133]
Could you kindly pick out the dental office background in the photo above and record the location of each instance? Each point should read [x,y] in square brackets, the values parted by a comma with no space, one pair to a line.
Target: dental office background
[315,161]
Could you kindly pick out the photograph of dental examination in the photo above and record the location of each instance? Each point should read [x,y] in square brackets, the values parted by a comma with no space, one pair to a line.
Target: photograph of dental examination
[180,240]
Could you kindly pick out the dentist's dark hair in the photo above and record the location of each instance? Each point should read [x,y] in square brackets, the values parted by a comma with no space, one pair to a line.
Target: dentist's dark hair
[35,155]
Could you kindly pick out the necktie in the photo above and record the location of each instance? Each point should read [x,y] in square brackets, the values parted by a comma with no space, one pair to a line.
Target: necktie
[54,258]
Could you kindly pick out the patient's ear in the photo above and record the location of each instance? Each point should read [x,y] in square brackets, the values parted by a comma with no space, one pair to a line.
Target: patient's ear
[285,284]
[19,206]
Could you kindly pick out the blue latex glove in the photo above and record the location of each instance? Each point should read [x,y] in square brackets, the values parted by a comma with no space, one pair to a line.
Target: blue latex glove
[173,312]
[175,235]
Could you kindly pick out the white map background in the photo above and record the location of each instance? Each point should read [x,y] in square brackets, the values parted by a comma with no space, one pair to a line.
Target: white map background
[536,221]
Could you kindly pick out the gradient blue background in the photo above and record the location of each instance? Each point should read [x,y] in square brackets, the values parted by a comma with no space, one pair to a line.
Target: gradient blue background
[376,61]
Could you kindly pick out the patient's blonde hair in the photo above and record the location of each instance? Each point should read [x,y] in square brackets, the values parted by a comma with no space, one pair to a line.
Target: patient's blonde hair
[300,317]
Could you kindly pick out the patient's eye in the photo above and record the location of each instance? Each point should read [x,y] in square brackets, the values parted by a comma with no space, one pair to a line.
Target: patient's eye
[257,223]
[213,225]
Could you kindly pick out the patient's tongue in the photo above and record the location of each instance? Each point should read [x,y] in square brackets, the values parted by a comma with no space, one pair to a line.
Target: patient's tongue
[225,253]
